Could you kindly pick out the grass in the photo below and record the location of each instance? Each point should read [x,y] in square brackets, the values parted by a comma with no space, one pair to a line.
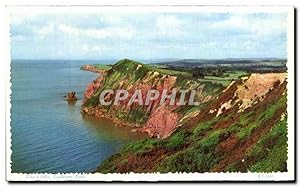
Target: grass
[199,157]
[244,120]
[192,152]
[174,72]
[272,63]
[271,151]
[270,111]
[269,154]
[194,149]
[201,128]
[138,115]
[247,131]
[224,80]
[176,140]
[142,145]
[102,66]
[268,114]
[235,74]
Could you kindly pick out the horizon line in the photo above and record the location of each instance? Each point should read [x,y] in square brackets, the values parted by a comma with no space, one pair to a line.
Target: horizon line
[117,59]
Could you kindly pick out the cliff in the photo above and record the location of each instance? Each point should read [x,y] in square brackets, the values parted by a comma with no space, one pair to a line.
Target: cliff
[93,68]
[155,119]
[238,127]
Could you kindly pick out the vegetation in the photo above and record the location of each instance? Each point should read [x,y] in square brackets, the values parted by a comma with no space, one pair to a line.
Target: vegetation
[129,72]
[175,141]
[253,140]
[174,72]
[102,66]
[217,67]
[198,149]
[225,79]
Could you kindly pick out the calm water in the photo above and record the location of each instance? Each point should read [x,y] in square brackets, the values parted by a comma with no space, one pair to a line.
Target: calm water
[50,135]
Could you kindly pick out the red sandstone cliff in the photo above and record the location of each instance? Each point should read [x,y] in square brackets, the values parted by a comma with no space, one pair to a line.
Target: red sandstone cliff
[162,121]
[155,119]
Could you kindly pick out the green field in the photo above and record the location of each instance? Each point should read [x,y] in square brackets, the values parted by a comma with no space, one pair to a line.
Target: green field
[226,79]
[102,66]
[174,72]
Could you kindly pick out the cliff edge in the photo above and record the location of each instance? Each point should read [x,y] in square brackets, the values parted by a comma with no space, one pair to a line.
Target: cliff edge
[240,126]
[155,119]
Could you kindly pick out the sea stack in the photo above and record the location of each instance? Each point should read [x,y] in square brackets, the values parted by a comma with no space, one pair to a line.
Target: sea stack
[71,96]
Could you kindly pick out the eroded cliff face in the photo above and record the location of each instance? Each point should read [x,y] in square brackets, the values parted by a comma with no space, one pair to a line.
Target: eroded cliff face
[238,128]
[161,123]
[161,120]
[93,87]
[252,90]
[243,129]
[155,119]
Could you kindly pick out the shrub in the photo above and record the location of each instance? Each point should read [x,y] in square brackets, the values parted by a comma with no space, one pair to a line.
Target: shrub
[175,140]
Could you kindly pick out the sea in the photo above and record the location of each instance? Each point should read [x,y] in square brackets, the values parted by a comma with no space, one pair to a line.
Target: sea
[48,134]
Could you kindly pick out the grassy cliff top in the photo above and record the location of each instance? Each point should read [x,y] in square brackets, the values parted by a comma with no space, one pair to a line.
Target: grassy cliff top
[130,66]
[127,65]
[129,72]
[102,66]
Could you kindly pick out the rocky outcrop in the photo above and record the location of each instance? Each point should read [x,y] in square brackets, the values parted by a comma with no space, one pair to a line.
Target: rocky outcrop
[162,123]
[93,87]
[71,96]
[91,68]
[252,90]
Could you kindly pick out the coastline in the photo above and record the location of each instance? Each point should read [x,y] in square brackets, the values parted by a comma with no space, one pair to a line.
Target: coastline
[189,130]
[100,113]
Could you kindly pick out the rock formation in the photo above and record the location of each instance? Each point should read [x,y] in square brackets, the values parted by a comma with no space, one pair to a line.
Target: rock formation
[238,128]
[90,68]
[71,96]
[154,119]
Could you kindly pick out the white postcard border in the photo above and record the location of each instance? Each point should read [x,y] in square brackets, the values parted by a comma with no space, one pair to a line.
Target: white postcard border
[278,176]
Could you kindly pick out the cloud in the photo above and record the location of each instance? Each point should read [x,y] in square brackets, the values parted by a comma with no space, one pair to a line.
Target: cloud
[110,20]
[19,38]
[253,24]
[98,49]
[168,23]
[142,35]
[169,26]
[114,32]
[47,29]
[22,17]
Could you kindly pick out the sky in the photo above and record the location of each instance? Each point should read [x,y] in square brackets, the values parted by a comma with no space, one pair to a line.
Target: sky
[148,36]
